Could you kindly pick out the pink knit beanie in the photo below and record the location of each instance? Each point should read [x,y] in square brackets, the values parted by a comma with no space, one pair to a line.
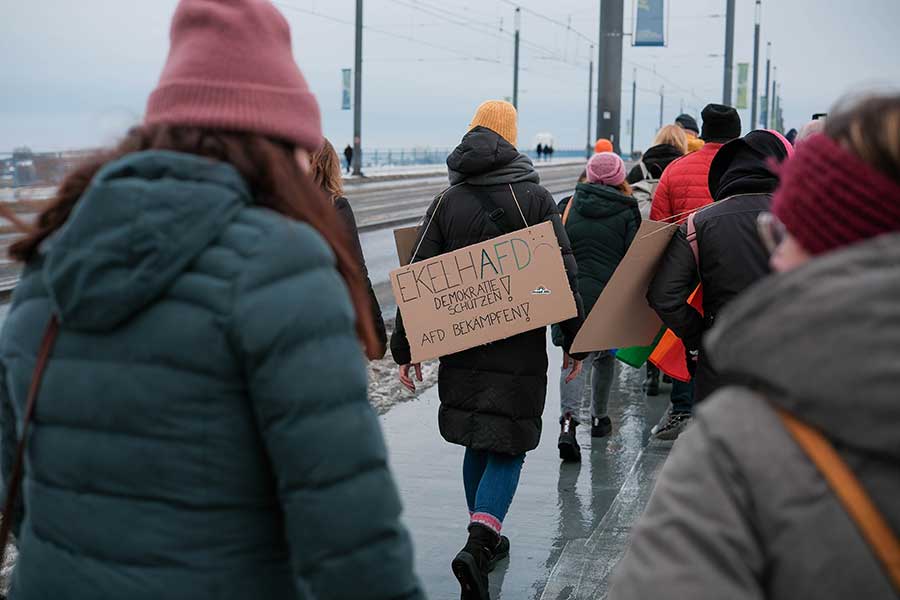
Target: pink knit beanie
[606,168]
[230,67]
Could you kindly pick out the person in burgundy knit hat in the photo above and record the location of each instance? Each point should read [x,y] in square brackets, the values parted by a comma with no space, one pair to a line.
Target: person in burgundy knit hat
[842,187]
[744,509]
[204,428]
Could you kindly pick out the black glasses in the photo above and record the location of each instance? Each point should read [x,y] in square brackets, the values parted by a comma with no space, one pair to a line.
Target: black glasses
[771,231]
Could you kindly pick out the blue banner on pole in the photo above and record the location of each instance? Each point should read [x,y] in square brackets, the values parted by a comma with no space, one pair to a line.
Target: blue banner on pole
[345,94]
[650,23]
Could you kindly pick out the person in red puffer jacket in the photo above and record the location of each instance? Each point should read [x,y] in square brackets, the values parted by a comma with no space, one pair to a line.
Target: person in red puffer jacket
[683,187]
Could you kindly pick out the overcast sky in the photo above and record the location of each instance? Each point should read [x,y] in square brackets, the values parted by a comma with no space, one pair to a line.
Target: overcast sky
[75,74]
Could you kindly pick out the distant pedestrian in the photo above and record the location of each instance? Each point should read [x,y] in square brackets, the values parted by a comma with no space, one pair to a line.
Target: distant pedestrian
[326,172]
[601,224]
[719,246]
[683,189]
[202,427]
[348,157]
[741,509]
[492,396]
[689,124]
[540,150]
[548,152]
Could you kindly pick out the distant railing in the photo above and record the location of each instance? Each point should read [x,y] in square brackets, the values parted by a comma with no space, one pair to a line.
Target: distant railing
[400,157]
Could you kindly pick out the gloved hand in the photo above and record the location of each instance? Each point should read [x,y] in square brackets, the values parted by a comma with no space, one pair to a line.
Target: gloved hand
[692,357]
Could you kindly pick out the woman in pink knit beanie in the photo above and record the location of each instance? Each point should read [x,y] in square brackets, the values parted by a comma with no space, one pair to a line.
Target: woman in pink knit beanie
[601,220]
[202,428]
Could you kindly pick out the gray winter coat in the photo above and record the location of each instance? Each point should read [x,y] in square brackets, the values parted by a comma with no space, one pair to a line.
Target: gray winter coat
[739,511]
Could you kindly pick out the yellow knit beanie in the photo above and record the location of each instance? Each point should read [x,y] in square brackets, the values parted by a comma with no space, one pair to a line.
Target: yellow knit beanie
[499,117]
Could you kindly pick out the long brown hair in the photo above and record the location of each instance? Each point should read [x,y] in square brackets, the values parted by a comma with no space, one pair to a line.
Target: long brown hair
[327,172]
[625,188]
[271,172]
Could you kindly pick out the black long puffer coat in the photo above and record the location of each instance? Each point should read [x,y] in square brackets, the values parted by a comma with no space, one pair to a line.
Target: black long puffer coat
[492,396]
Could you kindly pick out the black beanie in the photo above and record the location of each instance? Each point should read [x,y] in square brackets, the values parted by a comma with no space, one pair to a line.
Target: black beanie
[720,123]
[686,121]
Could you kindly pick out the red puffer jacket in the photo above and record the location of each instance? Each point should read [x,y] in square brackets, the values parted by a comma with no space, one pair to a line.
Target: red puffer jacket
[683,187]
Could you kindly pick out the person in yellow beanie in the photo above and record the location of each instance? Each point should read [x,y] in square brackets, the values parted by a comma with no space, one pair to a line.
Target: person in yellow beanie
[498,116]
[492,397]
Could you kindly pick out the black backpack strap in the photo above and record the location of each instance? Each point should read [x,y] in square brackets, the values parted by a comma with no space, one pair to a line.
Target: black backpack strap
[496,214]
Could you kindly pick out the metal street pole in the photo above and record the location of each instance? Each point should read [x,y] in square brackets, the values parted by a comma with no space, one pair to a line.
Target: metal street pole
[729,53]
[764,121]
[609,67]
[633,106]
[756,65]
[776,107]
[589,148]
[662,98]
[772,105]
[357,93]
[515,96]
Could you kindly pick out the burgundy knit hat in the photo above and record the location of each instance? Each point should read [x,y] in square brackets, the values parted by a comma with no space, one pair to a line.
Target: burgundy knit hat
[606,168]
[230,66]
[830,198]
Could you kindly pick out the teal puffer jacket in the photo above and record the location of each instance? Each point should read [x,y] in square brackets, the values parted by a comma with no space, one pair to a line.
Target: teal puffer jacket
[601,227]
[203,429]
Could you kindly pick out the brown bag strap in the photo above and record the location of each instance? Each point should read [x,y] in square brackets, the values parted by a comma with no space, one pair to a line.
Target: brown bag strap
[15,480]
[565,216]
[851,494]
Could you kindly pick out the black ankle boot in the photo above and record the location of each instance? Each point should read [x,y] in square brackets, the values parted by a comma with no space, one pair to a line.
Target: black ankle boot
[569,450]
[472,564]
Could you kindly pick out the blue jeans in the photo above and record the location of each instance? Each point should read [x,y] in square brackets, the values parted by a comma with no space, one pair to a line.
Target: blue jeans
[682,396]
[490,480]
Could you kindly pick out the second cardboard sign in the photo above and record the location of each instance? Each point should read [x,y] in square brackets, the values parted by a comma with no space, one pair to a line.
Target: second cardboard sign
[483,293]
[621,317]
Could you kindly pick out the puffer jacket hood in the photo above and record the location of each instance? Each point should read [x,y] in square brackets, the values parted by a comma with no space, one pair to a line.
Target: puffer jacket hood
[484,158]
[596,201]
[115,257]
[825,339]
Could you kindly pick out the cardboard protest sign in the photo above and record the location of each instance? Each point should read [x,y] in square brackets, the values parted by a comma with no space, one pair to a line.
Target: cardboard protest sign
[621,317]
[483,293]
[405,240]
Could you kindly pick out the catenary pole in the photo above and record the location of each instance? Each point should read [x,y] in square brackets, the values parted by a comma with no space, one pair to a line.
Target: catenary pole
[515,95]
[662,99]
[756,64]
[357,92]
[729,53]
[633,106]
[764,121]
[590,147]
[609,68]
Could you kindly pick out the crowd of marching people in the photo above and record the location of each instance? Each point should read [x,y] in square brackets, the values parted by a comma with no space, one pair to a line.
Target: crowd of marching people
[183,368]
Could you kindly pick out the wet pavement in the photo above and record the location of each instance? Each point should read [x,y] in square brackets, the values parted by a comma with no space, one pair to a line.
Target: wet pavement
[568,523]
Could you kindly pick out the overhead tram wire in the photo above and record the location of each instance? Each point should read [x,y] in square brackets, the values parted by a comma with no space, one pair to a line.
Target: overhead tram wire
[458,20]
[390,34]
[566,26]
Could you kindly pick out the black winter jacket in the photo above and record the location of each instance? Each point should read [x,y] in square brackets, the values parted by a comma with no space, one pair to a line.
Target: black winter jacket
[346,213]
[492,396]
[656,159]
[731,254]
